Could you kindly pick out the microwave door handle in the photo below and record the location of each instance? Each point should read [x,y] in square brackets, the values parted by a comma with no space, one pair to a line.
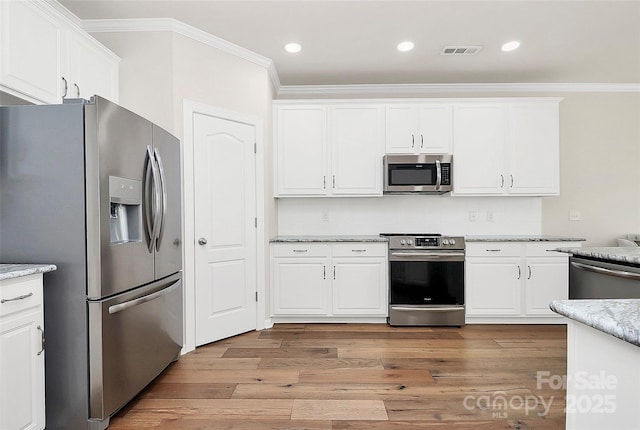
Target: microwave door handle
[163,184]
[438,175]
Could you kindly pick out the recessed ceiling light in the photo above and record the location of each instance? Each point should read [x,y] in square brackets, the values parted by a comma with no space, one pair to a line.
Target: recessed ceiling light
[293,47]
[510,46]
[405,46]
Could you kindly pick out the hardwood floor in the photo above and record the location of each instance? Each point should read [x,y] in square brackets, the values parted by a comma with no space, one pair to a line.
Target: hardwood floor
[361,376]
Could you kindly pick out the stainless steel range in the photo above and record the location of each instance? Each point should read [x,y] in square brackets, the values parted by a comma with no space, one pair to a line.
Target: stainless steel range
[426,279]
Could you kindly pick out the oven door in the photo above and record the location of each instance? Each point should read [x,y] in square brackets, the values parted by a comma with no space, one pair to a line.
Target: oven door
[426,288]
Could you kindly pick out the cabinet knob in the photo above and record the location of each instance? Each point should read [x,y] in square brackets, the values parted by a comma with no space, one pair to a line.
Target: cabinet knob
[202,241]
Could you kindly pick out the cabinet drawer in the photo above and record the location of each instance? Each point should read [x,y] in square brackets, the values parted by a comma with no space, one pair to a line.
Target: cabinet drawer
[301,249]
[21,293]
[493,249]
[359,249]
[546,249]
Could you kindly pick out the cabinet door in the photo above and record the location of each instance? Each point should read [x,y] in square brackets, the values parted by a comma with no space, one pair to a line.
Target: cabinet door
[402,129]
[300,286]
[493,286]
[359,286]
[301,151]
[357,148]
[436,129]
[22,371]
[547,280]
[32,51]
[92,69]
[479,137]
[533,149]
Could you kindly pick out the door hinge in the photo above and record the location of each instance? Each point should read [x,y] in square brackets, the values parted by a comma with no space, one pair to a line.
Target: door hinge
[256,221]
[256,296]
[255,147]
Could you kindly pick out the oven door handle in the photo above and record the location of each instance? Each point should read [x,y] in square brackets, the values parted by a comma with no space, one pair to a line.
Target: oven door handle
[430,309]
[426,256]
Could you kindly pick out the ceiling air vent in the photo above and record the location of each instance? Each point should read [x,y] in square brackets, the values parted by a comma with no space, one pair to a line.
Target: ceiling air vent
[460,50]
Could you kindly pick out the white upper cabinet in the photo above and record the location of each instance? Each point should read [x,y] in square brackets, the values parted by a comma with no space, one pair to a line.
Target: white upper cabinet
[32,51]
[424,128]
[357,148]
[506,148]
[301,150]
[329,150]
[479,149]
[45,58]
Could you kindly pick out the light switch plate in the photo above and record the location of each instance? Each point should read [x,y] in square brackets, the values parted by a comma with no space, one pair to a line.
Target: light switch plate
[575,215]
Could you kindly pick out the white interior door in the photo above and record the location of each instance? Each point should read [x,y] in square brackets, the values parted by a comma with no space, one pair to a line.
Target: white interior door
[225,233]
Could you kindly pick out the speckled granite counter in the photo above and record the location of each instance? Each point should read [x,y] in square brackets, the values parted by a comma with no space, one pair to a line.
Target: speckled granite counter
[9,271]
[358,238]
[516,238]
[625,254]
[619,318]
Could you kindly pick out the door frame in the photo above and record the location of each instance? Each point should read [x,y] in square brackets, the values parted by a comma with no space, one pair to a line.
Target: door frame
[191,108]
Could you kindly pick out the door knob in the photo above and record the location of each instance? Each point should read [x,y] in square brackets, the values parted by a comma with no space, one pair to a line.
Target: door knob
[202,241]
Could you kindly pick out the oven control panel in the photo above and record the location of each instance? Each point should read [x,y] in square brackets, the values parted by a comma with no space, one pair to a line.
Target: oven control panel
[425,242]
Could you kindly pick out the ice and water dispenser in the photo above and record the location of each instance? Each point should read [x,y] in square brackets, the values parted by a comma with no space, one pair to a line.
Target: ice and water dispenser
[125,198]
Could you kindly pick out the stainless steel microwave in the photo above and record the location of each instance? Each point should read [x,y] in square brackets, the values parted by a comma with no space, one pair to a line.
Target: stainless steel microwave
[424,174]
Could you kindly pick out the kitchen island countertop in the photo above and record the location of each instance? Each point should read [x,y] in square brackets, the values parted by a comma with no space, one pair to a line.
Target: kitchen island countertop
[355,238]
[523,238]
[9,271]
[625,254]
[617,317]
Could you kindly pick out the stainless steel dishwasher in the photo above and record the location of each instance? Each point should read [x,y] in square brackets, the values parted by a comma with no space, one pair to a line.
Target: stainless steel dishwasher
[597,279]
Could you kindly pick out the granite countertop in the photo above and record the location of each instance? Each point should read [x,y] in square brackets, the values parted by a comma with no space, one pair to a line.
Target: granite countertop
[524,238]
[9,271]
[619,317]
[625,254]
[357,238]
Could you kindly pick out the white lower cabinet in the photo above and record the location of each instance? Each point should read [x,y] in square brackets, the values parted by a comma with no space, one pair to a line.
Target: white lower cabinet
[22,354]
[507,282]
[329,281]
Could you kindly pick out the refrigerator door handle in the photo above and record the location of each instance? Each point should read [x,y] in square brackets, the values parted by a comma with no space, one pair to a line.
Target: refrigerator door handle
[152,226]
[163,184]
[140,300]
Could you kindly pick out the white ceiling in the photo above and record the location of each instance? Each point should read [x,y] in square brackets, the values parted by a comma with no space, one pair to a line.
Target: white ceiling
[354,42]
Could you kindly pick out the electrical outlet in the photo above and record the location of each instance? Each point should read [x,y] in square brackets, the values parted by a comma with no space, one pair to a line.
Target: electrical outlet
[325,216]
[575,215]
[473,216]
[489,216]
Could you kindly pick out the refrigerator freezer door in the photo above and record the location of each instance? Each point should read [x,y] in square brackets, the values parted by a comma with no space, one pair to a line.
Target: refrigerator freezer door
[121,153]
[168,258]
[133,337]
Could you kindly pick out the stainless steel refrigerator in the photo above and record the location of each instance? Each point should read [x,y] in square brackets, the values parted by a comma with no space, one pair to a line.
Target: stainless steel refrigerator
[95,189]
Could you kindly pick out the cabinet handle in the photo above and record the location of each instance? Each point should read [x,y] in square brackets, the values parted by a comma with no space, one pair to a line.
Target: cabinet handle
[519,272]
[77,89]
[358,250]
[300,250]
[324,182]
[333,183]
[511,180]
[66,87]
[501,181]
[334,273]
[413,141]
[493,250]
[529,268]
[41,340]
[324,272]
[421,141]
[26,296]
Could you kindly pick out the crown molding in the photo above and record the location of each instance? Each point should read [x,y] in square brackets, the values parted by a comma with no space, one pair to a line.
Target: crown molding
[414,89]
[173,25]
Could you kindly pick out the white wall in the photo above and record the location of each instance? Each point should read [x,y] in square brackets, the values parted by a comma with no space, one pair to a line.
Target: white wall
[409,214]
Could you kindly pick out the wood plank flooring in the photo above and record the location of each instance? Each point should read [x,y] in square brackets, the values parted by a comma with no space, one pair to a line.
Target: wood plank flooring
[361,376]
